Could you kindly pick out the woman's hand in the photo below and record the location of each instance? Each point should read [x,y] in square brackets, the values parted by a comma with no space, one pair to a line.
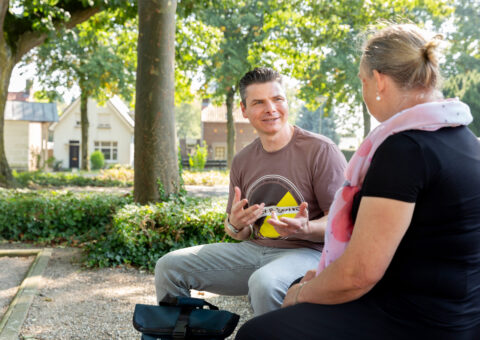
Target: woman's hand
[292,294]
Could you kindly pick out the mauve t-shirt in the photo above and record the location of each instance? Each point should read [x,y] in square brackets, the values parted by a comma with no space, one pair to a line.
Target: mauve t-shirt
[308,169]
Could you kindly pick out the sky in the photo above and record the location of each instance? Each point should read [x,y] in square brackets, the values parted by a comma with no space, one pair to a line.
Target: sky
[20,76]
[17,80]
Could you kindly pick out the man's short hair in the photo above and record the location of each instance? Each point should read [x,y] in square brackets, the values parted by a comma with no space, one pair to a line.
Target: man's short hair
[258,75]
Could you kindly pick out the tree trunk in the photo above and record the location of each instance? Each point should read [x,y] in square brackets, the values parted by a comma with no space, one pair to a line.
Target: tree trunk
[85,164]
[7,63]
[156,166]
[366,120]
[230,127]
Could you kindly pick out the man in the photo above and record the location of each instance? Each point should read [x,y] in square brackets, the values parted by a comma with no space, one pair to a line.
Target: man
[281,187]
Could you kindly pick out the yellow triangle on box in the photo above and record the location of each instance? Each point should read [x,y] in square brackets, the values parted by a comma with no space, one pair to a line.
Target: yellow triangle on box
[266,229]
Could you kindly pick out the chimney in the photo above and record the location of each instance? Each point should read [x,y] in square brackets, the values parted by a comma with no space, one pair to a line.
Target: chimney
[28,90]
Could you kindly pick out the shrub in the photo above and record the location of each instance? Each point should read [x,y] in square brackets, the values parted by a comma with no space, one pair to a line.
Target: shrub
[141,234]
[97,159]
[211,177]
[118,173]
[44,179]
[111,228]
[55,217]
[198,159]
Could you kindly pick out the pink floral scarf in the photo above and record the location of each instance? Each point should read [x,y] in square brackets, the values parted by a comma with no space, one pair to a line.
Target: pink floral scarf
[429,117]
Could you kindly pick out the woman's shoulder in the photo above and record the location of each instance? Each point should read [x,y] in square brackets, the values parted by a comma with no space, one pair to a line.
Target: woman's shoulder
[400,142]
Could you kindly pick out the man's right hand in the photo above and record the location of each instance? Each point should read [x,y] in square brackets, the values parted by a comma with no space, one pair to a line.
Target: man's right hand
[242,218]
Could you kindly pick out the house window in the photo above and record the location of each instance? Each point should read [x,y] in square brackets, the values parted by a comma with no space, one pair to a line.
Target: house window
[220,152]
[109,150]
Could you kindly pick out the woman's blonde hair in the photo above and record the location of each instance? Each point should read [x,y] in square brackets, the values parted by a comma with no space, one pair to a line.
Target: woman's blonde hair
[404,53]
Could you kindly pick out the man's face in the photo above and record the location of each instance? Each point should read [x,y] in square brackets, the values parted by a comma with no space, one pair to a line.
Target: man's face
[266,107]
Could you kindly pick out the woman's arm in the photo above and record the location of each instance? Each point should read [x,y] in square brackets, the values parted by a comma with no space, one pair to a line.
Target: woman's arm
[380,226]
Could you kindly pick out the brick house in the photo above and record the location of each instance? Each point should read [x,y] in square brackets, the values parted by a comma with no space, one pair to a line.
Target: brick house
[214,130]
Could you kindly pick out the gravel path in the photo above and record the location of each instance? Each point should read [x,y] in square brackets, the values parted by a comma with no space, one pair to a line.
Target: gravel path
[78,303]
[75,303]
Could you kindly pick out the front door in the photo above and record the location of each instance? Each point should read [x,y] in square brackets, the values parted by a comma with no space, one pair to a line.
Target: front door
[74,153]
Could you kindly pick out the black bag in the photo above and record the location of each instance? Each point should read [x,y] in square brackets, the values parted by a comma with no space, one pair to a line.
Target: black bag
[183,318]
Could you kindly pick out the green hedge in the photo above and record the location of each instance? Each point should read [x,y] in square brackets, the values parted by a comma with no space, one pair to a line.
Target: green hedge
[55,217]
[45,179]
[111,228]
[141,234]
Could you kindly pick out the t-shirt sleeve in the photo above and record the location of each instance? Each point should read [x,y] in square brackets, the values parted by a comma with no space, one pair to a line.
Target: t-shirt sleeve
[329,175]
[397,170]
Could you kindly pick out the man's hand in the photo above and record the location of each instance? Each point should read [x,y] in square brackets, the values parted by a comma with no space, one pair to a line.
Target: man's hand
[297,226]
[242,218]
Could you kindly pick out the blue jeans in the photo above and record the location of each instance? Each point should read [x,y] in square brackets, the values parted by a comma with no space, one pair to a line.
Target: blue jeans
[263,273]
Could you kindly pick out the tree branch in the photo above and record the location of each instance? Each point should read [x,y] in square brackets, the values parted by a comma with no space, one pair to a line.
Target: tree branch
[30,39]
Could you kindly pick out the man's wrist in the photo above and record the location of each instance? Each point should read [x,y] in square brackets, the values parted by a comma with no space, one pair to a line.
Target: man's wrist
[235,230]
[231,227]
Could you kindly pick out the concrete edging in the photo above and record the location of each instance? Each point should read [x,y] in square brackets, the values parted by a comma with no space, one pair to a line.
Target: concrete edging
[12,321]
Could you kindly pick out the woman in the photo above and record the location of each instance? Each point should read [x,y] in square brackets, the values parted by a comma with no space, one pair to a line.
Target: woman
[402,252]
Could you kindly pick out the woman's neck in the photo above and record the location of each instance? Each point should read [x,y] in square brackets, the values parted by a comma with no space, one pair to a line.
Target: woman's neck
[410,98]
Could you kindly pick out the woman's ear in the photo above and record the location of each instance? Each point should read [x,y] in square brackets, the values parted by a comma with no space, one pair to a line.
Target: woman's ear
[380,80]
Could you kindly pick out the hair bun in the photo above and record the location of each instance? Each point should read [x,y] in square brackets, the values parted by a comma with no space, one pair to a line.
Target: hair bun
[428,50]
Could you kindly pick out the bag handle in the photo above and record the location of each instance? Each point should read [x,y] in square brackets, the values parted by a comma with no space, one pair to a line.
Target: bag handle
[188,302]
[187,305]
[193,302]
[180,330]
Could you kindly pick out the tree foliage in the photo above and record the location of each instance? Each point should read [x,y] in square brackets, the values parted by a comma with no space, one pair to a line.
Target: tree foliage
[464,53]
[242,24]
[466,86]
[463,59]
[316,121]
[320,43]
[97,56]
[188,120]
[25,24]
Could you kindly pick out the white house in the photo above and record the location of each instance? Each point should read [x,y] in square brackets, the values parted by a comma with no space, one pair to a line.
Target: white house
[26,132]
[110,130]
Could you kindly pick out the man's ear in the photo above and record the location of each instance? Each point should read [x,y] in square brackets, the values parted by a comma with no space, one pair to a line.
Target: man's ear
[380,80]
[243,110]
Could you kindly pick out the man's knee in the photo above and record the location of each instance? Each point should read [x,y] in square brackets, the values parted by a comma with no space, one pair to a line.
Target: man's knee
[265,291]
[169,263]
[169,275]
[265,282]
[258,283]
[164,264]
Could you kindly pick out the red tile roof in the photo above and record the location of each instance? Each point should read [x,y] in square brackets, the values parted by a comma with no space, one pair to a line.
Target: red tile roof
[18,96]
